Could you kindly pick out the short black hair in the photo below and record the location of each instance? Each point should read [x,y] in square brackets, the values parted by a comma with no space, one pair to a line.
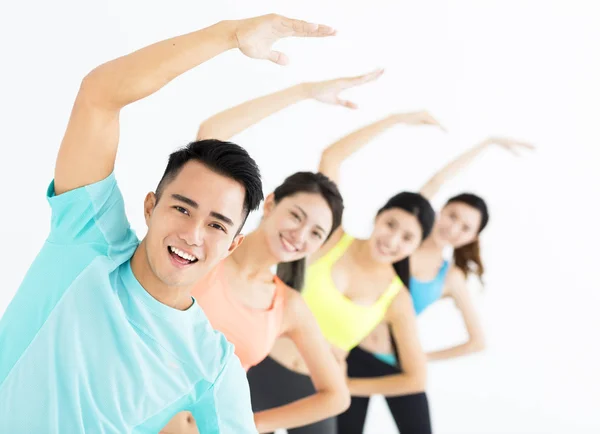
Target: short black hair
[225,158]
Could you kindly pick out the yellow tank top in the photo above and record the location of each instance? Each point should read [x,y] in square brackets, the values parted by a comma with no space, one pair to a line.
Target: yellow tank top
[343,323]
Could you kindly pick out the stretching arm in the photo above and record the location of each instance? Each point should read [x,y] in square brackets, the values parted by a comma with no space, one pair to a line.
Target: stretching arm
[334,155]
[89,147]
[331,396]
[456,287]
[414,370]
[233,121]
[433,185]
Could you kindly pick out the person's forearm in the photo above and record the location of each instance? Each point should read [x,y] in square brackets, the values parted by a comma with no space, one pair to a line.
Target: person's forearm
[449,171]
[130,78]
[314,408]
[389,385]
[348,145]
[456,351]
[232,121]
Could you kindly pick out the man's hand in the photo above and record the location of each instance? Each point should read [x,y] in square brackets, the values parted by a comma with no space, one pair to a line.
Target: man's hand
[255,36]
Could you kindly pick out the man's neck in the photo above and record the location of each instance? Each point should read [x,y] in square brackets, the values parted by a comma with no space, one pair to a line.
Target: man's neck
[177,297]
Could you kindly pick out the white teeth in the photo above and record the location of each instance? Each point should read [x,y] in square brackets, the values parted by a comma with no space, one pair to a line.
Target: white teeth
[384,250]
[288,245]
[182,254]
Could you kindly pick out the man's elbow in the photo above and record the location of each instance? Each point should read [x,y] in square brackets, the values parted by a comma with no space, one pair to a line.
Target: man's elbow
[97,90]
[92,83]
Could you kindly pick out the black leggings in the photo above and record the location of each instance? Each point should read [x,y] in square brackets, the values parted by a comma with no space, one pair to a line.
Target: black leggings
[411,412]
[273,385]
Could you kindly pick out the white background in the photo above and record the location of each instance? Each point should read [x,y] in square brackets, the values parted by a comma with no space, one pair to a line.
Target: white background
[524,68]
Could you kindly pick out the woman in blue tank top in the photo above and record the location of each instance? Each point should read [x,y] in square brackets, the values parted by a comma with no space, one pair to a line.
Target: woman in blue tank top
[430,277]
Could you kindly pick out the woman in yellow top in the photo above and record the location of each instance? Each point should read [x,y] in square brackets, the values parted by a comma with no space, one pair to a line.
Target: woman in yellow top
[433,276]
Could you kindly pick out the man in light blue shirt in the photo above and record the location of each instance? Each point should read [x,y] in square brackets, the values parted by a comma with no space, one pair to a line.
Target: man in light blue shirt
[102,335]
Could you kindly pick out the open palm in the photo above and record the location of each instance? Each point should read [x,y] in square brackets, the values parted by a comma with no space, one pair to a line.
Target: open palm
[256,36]
[328,91]
[511,145]
[418,118]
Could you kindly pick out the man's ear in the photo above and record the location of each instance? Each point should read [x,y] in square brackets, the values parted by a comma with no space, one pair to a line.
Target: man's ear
[149,204]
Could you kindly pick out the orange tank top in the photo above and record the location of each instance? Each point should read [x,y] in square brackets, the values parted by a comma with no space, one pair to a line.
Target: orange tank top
[252,331]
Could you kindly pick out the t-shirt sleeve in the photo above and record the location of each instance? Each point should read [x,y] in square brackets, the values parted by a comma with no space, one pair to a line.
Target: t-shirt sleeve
[230,402]
[93,215]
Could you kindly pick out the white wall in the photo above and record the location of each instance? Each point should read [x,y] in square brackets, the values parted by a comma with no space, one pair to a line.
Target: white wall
[523,68]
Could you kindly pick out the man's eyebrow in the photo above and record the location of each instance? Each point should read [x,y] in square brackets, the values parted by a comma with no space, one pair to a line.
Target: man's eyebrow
[221,217]
[185,200]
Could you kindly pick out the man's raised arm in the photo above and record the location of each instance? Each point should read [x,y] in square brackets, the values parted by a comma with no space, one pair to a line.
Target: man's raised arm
[88,150]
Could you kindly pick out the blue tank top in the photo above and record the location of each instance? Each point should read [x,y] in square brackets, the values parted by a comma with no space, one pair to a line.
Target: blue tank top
[424,294]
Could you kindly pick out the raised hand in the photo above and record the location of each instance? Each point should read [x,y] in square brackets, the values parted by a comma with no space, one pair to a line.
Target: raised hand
[418,118]
[509,144]
[255,36]
[328,91]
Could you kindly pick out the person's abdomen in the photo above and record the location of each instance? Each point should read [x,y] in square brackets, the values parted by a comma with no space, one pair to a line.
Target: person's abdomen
[378,341]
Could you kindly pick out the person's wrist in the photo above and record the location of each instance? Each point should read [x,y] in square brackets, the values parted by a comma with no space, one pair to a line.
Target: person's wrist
[228,28]
[485,143]
[306,89]
[398,117]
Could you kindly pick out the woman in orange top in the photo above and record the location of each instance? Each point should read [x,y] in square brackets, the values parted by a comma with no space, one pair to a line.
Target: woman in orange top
[252,307]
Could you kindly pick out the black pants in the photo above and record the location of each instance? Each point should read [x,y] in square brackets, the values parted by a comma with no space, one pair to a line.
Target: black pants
[411,412]
[273,385]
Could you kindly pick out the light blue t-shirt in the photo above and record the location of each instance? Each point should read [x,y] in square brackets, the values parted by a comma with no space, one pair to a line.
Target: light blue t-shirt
[85,349]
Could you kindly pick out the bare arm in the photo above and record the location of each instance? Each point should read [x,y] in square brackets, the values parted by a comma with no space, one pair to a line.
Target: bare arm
[88,150]
[449,171]
[456,288]
[232,121]
[334,155]
[331,396]
[413,378]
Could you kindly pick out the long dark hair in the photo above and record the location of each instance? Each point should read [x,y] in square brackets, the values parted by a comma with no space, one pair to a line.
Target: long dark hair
[292,273]
[417,205]
[468,257]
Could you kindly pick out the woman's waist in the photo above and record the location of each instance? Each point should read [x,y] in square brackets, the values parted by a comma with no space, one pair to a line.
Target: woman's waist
[378,341]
